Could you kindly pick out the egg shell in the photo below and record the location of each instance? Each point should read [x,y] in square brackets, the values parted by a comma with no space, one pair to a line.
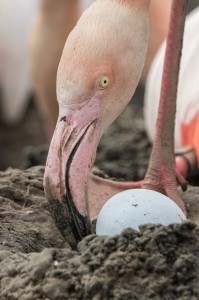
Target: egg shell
[132,208]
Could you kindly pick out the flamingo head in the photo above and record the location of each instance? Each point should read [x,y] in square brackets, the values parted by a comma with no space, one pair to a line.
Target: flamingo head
[99,70]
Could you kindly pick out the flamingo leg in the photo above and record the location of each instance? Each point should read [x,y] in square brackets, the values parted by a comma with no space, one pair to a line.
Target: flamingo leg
[162,175]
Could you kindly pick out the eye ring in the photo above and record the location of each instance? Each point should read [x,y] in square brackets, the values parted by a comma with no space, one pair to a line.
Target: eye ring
[104,81]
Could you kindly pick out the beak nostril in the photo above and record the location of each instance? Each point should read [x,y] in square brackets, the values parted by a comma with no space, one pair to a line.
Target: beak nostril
[63,119]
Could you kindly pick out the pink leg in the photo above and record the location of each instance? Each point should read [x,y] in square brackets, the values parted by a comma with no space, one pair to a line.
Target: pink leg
[161,175]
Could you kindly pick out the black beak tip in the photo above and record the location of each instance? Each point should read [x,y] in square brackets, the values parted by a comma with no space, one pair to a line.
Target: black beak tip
[71,225]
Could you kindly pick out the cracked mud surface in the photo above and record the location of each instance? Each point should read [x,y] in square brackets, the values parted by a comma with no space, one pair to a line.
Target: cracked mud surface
[36,263]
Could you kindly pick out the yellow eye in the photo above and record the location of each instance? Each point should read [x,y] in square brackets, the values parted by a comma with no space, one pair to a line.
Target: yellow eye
[104,81]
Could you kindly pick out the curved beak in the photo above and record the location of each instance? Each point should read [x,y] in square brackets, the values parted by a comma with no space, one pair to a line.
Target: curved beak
[70,159]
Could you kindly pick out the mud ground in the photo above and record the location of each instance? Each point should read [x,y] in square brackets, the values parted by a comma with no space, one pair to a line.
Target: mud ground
[36,263]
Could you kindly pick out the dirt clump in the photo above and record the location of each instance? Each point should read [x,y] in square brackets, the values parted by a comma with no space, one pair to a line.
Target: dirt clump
[36,263]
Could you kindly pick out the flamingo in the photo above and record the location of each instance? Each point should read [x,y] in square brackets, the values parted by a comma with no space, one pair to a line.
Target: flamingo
[15,23]
[100,67]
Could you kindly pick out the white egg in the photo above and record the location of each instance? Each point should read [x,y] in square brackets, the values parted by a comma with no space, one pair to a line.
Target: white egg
[136,207]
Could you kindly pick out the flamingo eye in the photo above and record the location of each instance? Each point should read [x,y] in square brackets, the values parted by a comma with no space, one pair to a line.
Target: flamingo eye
[104,81]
